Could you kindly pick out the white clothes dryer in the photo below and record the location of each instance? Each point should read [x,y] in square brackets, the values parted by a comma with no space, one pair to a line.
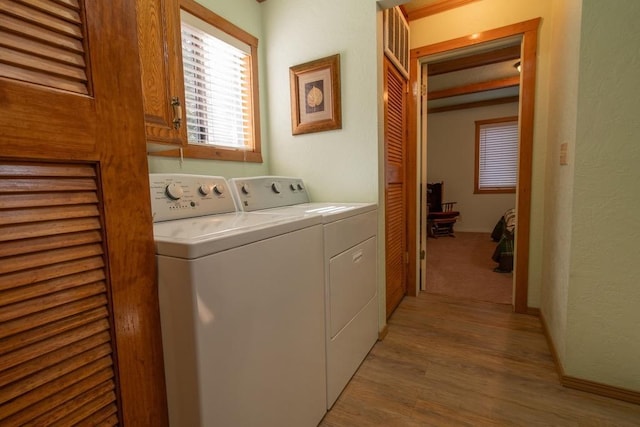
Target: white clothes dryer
[242,312]
[350,267]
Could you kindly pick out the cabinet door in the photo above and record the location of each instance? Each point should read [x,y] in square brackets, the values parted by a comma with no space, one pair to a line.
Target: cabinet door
[161,69]
[80,335]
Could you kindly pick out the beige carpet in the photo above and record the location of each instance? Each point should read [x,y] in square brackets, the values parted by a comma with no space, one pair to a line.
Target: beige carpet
[461,266]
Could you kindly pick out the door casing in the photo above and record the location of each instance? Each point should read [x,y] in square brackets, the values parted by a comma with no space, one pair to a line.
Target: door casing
[528,30]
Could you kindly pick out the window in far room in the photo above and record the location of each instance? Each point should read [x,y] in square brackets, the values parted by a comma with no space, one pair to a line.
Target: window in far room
[221,90]
[496,168]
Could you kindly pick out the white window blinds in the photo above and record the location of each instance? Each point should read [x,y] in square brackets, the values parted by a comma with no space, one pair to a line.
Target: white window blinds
[217,80]
[497,155]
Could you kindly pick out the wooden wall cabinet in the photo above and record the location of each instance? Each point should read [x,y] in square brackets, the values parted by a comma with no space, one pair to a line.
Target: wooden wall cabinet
[161,71]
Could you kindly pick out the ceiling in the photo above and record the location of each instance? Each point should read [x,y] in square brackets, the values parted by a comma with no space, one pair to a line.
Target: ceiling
[468,78]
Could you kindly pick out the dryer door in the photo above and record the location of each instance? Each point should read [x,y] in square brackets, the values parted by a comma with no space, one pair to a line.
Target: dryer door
[352,283]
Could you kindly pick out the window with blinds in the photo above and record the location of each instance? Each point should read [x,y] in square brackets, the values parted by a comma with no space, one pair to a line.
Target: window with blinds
[496,155]
[218,86]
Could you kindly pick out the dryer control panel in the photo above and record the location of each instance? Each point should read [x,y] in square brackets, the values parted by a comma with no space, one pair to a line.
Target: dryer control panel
[177,196]
[265,192]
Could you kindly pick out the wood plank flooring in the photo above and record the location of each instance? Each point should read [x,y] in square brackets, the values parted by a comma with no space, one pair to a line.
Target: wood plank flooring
[456,362]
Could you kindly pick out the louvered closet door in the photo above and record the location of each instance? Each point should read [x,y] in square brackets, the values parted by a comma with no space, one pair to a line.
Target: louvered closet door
[80,334]
[395,138]
[56,351]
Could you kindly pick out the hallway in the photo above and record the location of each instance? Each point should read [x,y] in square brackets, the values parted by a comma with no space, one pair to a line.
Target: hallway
[451,362]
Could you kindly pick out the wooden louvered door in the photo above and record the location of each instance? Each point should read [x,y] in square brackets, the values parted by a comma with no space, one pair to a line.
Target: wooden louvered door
[395,140]
[79,322]
[55,349]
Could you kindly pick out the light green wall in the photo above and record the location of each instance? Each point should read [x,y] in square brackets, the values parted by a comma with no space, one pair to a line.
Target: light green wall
[563,106]
[603,314]
[451,158]
[337,165]
[489,14]
[246,14]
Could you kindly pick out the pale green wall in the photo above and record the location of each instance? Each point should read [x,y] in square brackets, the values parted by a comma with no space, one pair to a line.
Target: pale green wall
[489,14]
[246,14]
[451,158]
[337,165]
[603,315]
[563,106]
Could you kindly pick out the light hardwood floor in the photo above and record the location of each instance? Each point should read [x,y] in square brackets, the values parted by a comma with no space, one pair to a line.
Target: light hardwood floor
[455,362]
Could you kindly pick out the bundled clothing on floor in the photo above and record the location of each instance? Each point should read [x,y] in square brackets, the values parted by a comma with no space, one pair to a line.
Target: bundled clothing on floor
[504,233]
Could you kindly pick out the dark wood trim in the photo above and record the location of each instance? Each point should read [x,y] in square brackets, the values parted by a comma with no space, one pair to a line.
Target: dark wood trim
[533,311]
[523,210]
[193,151]
[601,389]
[588,386]
[529,32]
[441,6]
[477,104]
[472,61]
[474,88]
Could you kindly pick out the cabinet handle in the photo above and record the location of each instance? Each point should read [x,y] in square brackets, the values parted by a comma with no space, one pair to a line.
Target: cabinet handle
[177,112]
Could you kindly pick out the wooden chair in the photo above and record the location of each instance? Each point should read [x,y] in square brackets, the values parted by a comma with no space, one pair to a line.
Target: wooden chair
[440,217]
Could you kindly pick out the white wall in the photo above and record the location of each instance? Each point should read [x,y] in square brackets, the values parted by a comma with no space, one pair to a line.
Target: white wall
[338,165]
[603,315]
[485,15]
[451,158]
[563,109]
[246,14]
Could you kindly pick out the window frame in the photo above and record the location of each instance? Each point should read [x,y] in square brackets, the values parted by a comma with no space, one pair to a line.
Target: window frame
[476,177]
[217,152]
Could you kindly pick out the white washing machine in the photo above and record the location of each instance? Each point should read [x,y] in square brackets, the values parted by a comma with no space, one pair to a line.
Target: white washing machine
[242,311]
[350,267]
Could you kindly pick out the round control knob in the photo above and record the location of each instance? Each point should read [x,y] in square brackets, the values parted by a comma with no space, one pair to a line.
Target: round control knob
[218,189]
[276,188]
[245,188]
[174,191]
[300,187]
[204,189]
[293,187]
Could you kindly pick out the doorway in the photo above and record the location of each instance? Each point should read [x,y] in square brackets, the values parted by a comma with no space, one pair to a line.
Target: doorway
[472,95]
[527,31]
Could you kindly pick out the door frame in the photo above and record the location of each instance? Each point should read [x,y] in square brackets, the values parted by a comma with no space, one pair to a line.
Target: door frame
[528,30]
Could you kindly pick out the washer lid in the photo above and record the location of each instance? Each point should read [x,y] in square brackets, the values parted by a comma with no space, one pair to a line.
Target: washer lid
[197,237]
[329,212]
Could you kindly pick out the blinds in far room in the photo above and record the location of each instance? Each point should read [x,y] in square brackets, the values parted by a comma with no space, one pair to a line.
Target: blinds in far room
[497,155]
[217,81]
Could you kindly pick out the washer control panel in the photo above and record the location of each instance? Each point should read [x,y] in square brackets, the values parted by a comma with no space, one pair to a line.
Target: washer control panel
[177,196]
[264,192]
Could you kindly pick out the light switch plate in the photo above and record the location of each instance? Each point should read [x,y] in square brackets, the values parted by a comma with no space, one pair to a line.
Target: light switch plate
[563,154]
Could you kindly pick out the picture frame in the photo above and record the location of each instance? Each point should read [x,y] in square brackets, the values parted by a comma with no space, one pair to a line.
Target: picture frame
[315,96]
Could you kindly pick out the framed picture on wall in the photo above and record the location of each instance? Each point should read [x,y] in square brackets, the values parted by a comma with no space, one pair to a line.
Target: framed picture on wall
[315,96]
